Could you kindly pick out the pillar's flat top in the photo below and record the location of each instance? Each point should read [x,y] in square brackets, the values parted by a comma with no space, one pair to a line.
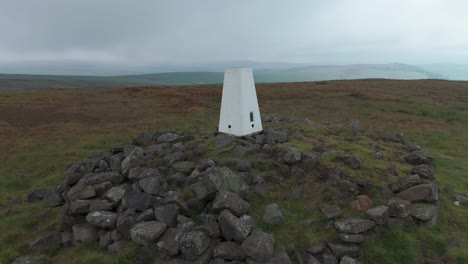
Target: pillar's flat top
[229,68]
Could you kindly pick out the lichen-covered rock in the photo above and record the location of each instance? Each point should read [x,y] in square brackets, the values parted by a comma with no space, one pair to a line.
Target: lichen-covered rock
[219,179]
[234,228]
[151,185]
[273,214]
[192,244]
[421,193]
[340,250]
[353,225]
[398,207]
[228,250]
[379,214]
[424,171]
[103,219]
[138,200]
[351,238]
[292,156]
[85,232]
[418,157]
[167,214]
[139,173]
[115,194]
[331,211]
[422,211]
[362,203]
[147,232]
[259,246]
[348,260]
[230,201]
[134,159]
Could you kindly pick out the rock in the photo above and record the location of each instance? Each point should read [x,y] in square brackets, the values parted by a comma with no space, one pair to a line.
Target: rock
[398,138]
[353,225]
[351,238]
[211,229]
[421,193]
[340,250]
[398,207]
[177,179]
[44,242]
[230,201]
[116,162]
[418,157]
[185,167]
[169,242]
[102,188]
[125,222]
[353,161]
[379,214]
[234,228]
[115,235]
[316,248]
[309,259]
[205,164]
[193,244]
[67,238]
[29,260]
[85,232]
[105,239]
[280,257]
[329,259]
[103,219]
[277,136]
[243,165]
[292,156]
[115,194]
[53,199]
[151,185]
[348,260]
[37,195]
[173,197]
[116,247]
[406,223]
[167,214]
[146,138]
[147,215]
[229,250]
[100,205]
[96,178]
[259,246]
[362,203]
[422,211]
[172,158]
[297,192]
[169,138]
[81,191]
[273,214]
[239,151]
[331,211]
[410,181]
[147,232]
[134,159]
[219,179]
[424,171]
[137,200]
[103,166]
[462,198]
[139,173]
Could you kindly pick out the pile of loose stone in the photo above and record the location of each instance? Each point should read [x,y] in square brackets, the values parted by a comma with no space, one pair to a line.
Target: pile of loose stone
[162,193]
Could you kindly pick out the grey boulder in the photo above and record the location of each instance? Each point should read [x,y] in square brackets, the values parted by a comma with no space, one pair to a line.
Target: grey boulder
[353,225]
[259,246]
[273,214]
[145,233]
[230,201]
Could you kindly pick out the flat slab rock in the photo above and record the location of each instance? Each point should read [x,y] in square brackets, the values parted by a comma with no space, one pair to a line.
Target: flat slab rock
[353,225]
[146,232]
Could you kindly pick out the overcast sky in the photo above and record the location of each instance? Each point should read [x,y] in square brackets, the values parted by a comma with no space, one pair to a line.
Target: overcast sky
[195,31]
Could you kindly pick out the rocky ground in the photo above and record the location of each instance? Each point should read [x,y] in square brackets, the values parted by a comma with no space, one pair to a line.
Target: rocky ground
[185,197]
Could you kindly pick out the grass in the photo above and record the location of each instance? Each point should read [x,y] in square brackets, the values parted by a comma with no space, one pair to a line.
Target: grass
[41,131]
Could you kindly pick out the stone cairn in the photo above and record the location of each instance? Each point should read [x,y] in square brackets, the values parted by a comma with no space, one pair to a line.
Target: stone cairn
[191,209]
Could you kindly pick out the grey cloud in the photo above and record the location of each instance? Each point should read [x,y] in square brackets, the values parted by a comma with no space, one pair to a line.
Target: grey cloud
[188,31]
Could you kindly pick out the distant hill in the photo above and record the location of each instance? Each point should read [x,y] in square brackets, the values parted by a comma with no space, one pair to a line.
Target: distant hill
[448,71]
[262,74]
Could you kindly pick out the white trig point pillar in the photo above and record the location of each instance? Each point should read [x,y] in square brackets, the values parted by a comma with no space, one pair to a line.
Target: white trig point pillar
[240,114]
